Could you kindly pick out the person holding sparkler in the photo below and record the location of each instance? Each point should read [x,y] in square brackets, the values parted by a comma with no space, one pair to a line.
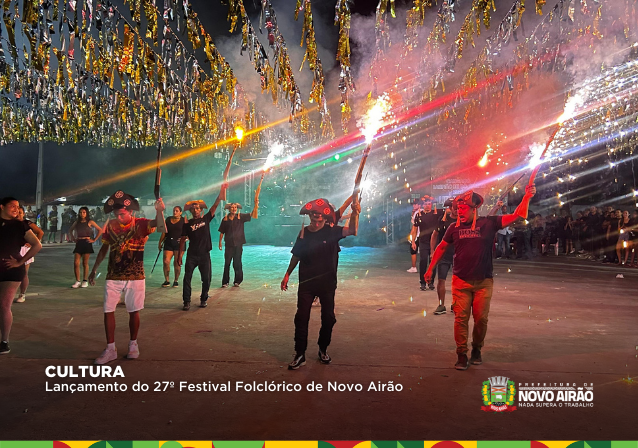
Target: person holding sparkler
[124,238]
[472,279]
[197,231]
[316,251]
[231,230]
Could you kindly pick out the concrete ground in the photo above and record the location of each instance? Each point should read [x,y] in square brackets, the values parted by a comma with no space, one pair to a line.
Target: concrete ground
[552,320]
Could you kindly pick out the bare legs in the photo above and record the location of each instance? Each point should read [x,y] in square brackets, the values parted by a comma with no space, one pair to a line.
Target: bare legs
[7,292]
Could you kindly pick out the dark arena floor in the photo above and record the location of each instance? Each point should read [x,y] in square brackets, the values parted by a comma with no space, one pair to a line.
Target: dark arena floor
[553,320]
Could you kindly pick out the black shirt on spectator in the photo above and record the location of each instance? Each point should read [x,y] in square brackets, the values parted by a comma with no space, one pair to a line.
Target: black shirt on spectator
[441,228]
[174,231]
[427,224]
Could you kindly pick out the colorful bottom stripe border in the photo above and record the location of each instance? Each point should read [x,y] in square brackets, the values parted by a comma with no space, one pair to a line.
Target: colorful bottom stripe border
[317,444]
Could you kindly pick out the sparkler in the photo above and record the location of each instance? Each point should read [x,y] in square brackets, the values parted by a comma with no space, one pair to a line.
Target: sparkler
[488,152]
[239,135]
[572,103]
[275,151]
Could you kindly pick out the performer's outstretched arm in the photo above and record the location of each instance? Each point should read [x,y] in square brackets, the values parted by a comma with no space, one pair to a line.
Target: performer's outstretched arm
[438,254]
[345,205]
[219,198]
[522,209]
[291,267]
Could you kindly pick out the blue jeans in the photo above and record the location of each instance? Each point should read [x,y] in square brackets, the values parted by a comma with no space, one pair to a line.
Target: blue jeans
[503,244]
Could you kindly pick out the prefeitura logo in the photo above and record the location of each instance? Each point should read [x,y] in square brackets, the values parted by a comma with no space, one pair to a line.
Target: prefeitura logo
[498,394]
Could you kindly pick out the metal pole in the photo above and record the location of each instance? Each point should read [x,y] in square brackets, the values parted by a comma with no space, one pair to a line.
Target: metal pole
[38,190]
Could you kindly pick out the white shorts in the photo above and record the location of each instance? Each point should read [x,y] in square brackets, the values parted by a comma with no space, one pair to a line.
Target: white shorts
[23,252]
[134,292]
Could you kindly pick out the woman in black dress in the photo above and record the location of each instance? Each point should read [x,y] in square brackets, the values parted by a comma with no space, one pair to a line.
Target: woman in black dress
[84,240]
[13,235]
[170,240]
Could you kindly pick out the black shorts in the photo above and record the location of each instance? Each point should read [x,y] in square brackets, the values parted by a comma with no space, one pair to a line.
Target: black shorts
[171,244]
[442,269]
[414,252]
[83,246]
[13,275]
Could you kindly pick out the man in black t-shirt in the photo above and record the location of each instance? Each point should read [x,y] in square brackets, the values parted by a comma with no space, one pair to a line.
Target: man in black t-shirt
[232,230]
[317,252]
[445,264]
[472,282]
[425,222]
[197,231]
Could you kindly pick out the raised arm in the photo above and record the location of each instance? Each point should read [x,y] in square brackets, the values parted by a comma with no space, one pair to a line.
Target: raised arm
[522,209]
[353,224]
[220,196]
[291,267]
[345,205]
[158,222]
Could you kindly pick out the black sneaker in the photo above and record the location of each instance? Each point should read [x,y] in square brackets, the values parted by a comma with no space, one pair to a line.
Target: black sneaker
[166,284]
[324,357]
[298,361]
[440,309]
[423,288]
[187,306]
[175,284]
[475,358]
[461,363]
[4,348]
[431,286]
[203,304]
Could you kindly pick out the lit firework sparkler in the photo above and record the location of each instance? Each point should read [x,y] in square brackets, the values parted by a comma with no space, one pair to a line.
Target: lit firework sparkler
[275,151]
[569,111]
[485,159]
[239,135]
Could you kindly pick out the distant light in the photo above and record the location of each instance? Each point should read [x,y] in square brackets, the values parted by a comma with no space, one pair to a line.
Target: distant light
[349,159]
[337,156]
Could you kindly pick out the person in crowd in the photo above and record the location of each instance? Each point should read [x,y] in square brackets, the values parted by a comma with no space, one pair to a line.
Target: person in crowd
[39,234]
[623,224]
[522,234]
[123,239]
[633,240]
[444,266]
[53,224]
[42,219]
[593,229]
[414,249]
[472,280]
[538,229]
[316,251]
[66,225]
[170,241]
[14,234]
[610,236]
[568,233]
[82,234]
[231,231]
[31,215]
[425,223]
[503,237]
[577,229]
[197,231]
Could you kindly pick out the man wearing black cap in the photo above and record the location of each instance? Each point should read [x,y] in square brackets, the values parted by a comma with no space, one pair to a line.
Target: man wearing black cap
[472,282]
[124,239]
[425,222]
[316,251]
[232,230]
[197,231]
[444,266]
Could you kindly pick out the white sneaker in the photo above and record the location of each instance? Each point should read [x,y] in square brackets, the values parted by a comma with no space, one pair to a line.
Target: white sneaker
[76,285]
[412,269]
[20,299]
[133,350]
[85,284]
[107,355]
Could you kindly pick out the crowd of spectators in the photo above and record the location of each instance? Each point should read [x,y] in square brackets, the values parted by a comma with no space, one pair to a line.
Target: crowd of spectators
[608,235]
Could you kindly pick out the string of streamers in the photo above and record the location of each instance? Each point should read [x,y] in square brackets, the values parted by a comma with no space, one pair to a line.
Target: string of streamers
[343,16]
[317,93]
[382,41]
[77,99]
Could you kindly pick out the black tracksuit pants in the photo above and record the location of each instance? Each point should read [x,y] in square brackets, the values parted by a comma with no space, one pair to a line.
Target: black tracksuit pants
[202,262]
[424,261]
[233,254]
[328,319]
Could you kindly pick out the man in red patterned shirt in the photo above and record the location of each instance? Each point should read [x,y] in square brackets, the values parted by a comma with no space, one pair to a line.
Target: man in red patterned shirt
[124,239]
